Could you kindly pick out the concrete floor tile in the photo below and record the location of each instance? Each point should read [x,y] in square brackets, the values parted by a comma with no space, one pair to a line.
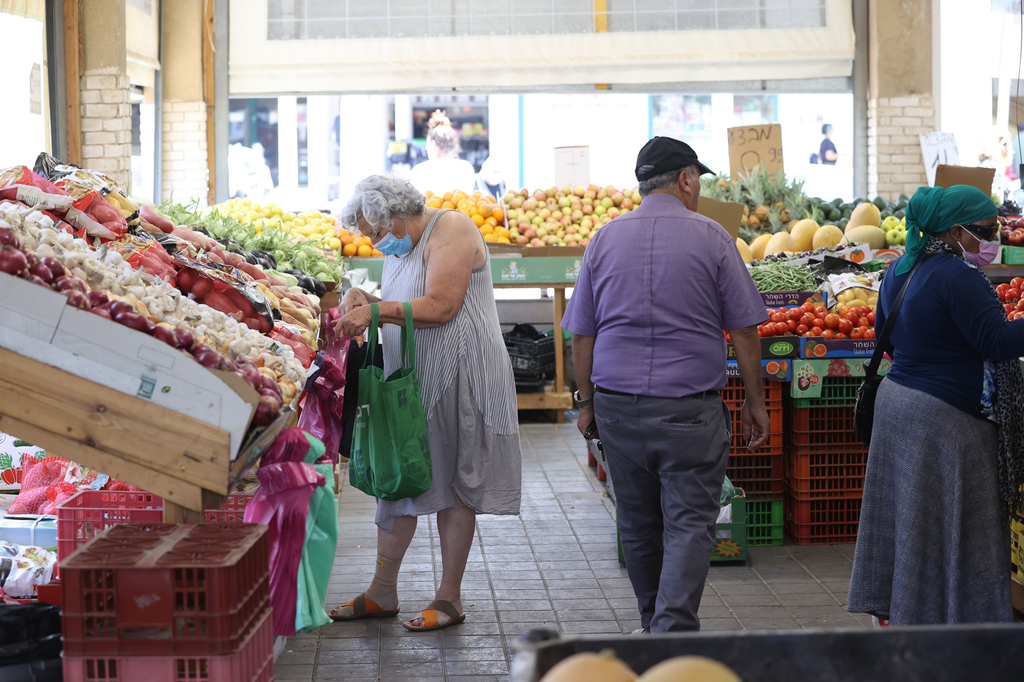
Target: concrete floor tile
[473,641]
[591,627]
[395,671]
[514,616]
[410,656]
[737,600]
[306,657]
[523,604]
[476,667]
[576,615]
[719,624]
[293,673]
[345,672]
[484,654]
[769,623]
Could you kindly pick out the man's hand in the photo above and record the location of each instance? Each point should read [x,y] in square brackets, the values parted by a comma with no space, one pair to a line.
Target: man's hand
[586,420]
[756,425]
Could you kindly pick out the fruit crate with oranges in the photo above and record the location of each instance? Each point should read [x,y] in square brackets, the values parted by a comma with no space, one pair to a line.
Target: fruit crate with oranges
[485,211]
[357,245]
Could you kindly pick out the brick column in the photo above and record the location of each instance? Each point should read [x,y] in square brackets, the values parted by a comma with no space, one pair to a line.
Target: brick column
[184,151]
[895,164]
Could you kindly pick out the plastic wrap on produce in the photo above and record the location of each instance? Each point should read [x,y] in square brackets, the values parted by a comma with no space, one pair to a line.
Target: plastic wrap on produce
[19,183]
[22,567]
[224,288]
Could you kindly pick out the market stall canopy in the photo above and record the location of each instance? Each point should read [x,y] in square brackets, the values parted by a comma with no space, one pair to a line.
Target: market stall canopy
[279,47]
[29,9]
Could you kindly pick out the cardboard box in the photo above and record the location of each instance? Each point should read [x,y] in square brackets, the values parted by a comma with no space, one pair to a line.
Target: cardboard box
[888,254]
[791,299]
[808,374]
[29,309]
[811,348]
[773,348]
[949,175]
[772,370]
[30,530]
[726,213]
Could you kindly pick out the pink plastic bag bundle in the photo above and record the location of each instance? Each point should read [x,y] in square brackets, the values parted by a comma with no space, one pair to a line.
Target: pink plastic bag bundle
[40,475]
[323,405]
[282,504]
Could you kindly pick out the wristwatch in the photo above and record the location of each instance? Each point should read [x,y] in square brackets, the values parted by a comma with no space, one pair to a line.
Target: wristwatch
[580,402]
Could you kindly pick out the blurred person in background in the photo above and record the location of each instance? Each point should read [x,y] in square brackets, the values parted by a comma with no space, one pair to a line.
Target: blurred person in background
[491,179]
[443,171]
[997,152]
[827,154]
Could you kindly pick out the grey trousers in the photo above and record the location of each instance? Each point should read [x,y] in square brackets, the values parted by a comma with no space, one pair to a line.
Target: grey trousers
[668,458]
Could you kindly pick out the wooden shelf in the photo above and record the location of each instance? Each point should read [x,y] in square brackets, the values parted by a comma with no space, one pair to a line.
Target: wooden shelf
[549,400]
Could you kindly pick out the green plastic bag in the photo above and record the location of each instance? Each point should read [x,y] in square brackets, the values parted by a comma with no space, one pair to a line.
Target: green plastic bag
[319,548]
[390,448]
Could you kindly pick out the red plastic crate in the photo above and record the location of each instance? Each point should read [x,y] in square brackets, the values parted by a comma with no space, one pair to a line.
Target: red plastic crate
[254,662]
[831,520]
[85,515]
[759,473]
[812,475]
[165,589]
[819,429]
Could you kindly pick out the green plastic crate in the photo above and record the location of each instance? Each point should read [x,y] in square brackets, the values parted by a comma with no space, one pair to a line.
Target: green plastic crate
[835,392]
[764,523]
[730,538]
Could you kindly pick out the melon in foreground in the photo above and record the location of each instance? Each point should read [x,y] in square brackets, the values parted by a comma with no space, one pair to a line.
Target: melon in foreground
[780,242]
[865,214]
[690,669]
[757,246]
[590,667]
[826,235]
[865,234]
[744,250]
[803,234]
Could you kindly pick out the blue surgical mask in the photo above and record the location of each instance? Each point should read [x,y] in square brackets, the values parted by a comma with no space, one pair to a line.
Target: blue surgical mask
[392,246]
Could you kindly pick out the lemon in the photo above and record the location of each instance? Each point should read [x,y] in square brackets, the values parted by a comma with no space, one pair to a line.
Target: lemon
[334,243]
[299,221]
[287,217]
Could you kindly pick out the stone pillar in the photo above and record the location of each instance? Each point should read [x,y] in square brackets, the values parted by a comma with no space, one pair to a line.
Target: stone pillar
[901,105]
[105,101]
[184,111]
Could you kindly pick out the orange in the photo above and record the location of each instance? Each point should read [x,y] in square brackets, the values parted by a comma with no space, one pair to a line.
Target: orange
[484,209]
[346,238]
[490,238]
[504,240]
[478,220]
[820,350]
[447,204]
[498,215]
[502,232]
[447,196]
[377,253]
[365,241]
[433,202]
[772,367]
[428,194]
[365,251]
[490,199]
[349,250]
[487,229]
[492,221]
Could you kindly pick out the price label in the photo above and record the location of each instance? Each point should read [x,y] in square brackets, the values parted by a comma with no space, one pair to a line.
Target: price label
[938,148]
[753,146]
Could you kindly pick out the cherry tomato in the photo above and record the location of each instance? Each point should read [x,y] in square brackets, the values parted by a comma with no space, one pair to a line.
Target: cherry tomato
[840,336]
[795,313]
[845,326]
[827,334]
[778,317]
[807,320]
[791,325]
[818,322]
[862,321]
[816,331]
[832,321]
[807,307]
[871,318]
[870,333]
[781,328]
[857,333]
[802,330]
[1017,283]
[1015,315]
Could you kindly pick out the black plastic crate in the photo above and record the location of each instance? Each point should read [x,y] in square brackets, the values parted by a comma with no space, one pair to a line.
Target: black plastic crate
[531,352]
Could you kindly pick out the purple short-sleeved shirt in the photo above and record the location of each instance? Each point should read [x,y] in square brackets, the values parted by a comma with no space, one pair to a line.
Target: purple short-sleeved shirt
[657,286]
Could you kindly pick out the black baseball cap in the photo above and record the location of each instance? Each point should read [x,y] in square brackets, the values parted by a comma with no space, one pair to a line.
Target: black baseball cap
[664,154]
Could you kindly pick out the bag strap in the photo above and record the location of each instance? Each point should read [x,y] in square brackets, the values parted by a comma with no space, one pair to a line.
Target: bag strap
[408,338]
[371,344]
[883,344]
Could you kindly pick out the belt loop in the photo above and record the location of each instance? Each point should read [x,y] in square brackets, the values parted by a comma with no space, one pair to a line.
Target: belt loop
[636,398]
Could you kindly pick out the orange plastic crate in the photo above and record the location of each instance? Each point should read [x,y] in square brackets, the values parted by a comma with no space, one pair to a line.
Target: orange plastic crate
[253,662]
[759,473]
[831,520]
[811,475]
[165,589]
[821,429]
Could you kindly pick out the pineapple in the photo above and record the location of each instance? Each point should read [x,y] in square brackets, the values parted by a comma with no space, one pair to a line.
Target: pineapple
[775,223]
[753,222]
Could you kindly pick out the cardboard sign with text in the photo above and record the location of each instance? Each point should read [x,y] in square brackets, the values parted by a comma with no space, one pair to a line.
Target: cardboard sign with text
[726,213]
[751,146]
[938,148]
[572,166]
[947,176]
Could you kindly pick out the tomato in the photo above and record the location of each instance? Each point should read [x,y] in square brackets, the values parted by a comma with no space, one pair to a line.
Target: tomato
[818,322]
[1011,294]
[1017,283]
[1009,307]
[802,330]
[831,320]
[842,311]
[821,311]
[827,334]
[807,307]
[807,320]
[791,325]
[795,314]
[857,333]
[1015,315]
[1002,289]
[840,336]
[778,317]
[852,316]
[781,328]
[845,326]
[1020,306]
[862,321]
[865,309]
[767,330]
[869,333]
[871,318]
[816,331]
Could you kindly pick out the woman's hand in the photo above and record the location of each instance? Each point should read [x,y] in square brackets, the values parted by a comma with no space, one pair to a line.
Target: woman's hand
[354,298]
[354,323]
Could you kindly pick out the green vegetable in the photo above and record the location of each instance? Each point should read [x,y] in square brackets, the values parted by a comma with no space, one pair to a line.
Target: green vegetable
[778,277]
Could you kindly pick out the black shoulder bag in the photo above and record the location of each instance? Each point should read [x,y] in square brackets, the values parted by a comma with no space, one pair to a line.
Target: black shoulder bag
[864,410]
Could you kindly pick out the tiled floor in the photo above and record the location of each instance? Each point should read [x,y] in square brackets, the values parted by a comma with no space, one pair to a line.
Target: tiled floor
[553,566]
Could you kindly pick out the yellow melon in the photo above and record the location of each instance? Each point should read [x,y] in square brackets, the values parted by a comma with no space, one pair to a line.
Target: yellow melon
[744,251]
[865,234]
[865,214]
[757,246]
[803,234]
[780,242]
[690,669]
[589,667]
[826,235]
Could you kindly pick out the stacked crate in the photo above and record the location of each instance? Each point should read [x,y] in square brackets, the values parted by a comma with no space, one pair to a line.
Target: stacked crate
[164,602]
[824,465]
[758,473]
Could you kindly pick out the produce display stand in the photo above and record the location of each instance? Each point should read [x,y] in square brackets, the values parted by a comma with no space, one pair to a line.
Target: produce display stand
[513,272]
[157,449]
[999,274]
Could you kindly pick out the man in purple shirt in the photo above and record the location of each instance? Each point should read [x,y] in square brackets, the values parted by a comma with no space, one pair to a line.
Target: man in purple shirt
[656,288]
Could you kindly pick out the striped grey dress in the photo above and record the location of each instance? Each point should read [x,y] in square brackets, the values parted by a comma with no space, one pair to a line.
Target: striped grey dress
[469,396]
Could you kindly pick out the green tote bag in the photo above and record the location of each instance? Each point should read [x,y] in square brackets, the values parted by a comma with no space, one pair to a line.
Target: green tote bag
[390,449]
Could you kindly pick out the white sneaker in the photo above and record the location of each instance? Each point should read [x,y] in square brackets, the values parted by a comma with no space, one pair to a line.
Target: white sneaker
[641,631]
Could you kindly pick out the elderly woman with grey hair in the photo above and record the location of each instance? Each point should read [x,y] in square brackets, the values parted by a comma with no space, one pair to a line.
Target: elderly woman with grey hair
[437,260]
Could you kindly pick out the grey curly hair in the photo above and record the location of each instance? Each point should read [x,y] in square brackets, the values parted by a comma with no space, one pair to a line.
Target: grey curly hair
[379,200]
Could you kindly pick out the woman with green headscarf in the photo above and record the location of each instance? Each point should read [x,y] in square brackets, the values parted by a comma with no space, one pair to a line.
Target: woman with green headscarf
[947,449]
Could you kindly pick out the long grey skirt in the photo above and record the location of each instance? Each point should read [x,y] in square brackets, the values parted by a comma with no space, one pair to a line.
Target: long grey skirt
[469,462]
[932,545]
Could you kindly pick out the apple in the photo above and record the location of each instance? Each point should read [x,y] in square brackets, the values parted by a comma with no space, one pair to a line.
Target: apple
[587,209]
[564,202]
[571,242]
[636,197]
[602,195]
[530,205]
[1016,237]
[584,241]
[530,233]
[522,240]
[593,188]
[565,191]
[571,229]
[613,212]
[607,202]
[587,223]
[536,242]
[576,205]
[551,192]
[530,215]
[542,232]
[590,194]
[617,198]
[540,197]
[516,203]
[600,210]
[627,203]
[565,220]
[587,201]
[577,216]
[578,191]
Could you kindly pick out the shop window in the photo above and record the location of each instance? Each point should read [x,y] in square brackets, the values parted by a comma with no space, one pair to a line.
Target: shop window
[302,133]
[26,106]
[681,116]
[754,109]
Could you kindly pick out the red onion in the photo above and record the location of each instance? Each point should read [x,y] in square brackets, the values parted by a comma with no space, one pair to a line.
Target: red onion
[31,258]
[77,299]
[55,266]
[250,374]
[97,297]
[42,272]
[69,282]
[184,337]
[118,307]
[268,384]
[166,334]
[199,348]
[134,321]
[268,393]
[210,359]
[7,238]
[266,411]
[12,261]
[102,312]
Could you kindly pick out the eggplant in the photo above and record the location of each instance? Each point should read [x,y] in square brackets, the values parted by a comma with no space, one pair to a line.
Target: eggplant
[267,256]
[321,288]
[252,259]
[200,229]
[230,245]
[265,263]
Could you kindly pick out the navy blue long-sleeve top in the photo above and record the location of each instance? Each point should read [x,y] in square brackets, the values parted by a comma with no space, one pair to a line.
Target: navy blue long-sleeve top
[948,326]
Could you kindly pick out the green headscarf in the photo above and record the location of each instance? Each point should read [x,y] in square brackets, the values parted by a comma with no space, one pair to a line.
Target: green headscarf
[934,210]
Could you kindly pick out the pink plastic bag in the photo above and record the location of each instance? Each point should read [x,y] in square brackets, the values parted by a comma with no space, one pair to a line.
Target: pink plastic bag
[39,485]
[323,405]
[282,503]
